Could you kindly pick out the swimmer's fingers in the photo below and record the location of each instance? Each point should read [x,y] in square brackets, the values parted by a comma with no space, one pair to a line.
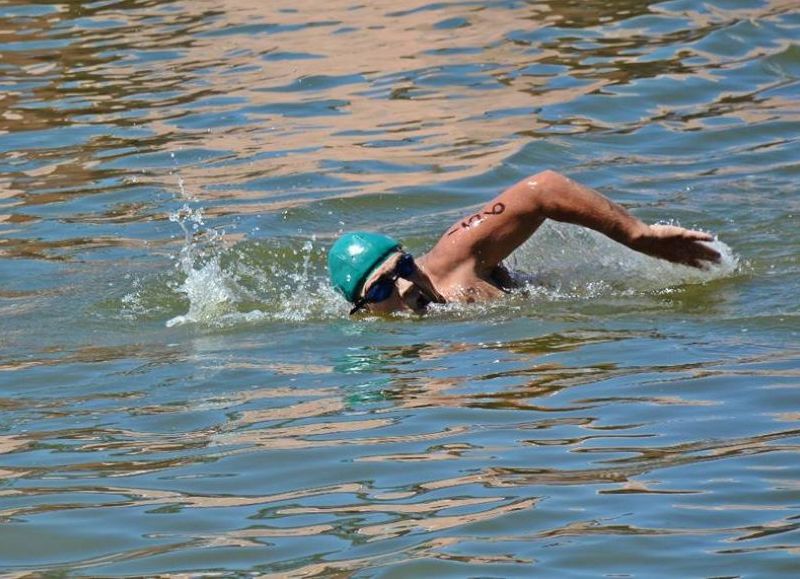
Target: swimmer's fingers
[676,231]
[701,251]
[678,245]
[698,235]
[709,253]
[704,262]
[700,258]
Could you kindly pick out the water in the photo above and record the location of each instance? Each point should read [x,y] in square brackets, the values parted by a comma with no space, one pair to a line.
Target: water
[182,392]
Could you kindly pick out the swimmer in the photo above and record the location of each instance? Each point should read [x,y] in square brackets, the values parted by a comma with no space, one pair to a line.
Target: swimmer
[375,274]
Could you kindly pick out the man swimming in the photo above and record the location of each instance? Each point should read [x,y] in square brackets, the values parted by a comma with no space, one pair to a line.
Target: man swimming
[374,273]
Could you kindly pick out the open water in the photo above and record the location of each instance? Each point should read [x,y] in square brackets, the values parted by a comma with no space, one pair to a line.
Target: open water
[181,393]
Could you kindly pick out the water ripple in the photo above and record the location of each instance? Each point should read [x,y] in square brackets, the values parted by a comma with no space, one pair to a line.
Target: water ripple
[183,394]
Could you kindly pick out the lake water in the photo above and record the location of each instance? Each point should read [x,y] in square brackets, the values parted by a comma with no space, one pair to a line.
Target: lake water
[182,393]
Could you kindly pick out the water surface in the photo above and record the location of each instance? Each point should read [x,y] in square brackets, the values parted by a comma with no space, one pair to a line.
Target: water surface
[182,393]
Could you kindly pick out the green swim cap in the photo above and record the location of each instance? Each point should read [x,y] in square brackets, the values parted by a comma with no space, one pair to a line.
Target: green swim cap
[354,257]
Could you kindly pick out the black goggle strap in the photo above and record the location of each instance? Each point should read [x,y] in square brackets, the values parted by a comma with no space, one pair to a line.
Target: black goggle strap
[360,303]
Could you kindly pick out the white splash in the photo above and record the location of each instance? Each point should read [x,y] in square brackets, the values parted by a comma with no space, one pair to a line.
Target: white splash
[250,281]
[211,291]
[568,258]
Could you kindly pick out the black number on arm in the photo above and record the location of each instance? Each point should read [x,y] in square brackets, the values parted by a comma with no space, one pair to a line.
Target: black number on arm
[496,209]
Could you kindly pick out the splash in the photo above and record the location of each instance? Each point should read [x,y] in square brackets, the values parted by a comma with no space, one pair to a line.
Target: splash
[211,292]
[250,281]
[574,261]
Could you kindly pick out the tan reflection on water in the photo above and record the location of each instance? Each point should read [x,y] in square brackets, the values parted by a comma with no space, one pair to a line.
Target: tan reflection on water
[93,354]
[595,527]
[154,497]
[397,508]
[12,443]
[540,380]
[273,427]
[442,522]
[296,437]
[34,249]
[344,567]
[391,108]
[433,549]
[377,47]
[623,470]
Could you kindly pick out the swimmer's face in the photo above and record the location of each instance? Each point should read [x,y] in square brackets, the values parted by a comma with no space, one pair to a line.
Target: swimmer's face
[412,294]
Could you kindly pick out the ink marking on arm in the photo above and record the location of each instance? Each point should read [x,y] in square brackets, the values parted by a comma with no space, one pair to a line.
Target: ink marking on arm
[496,209]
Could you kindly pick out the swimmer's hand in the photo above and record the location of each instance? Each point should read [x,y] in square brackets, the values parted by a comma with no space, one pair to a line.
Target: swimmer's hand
[675,244]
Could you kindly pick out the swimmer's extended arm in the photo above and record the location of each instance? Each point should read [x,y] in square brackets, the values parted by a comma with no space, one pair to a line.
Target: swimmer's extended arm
[487,237]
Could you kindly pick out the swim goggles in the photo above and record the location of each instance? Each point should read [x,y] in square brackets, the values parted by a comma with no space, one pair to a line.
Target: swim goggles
[383,287]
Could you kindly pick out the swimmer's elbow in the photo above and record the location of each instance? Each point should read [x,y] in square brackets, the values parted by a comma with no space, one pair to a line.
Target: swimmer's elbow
[546,193]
